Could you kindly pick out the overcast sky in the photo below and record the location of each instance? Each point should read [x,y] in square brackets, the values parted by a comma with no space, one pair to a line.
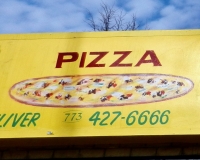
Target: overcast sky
[30,16]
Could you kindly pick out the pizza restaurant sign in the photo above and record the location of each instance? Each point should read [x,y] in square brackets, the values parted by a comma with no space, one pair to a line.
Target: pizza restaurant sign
[66,85]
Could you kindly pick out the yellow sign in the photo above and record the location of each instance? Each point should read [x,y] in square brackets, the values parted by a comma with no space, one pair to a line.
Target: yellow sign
[100,84]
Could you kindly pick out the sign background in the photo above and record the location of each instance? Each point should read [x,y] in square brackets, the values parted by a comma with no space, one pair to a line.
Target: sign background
[27,56]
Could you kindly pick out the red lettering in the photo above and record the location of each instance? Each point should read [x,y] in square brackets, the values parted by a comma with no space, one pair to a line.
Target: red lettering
[154,59]
[94,62]
[60,60]
[82,62]
[118,63]
[73,56]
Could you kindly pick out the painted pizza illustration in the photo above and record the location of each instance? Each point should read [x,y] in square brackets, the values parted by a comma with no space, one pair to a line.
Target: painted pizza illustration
[100,90]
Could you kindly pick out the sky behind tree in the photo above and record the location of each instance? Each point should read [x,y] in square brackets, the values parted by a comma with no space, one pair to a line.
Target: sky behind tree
[32,16]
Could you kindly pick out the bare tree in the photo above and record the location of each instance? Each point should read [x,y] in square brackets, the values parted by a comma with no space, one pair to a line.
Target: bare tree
[110,19]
